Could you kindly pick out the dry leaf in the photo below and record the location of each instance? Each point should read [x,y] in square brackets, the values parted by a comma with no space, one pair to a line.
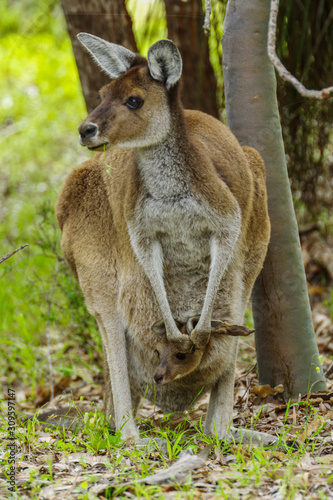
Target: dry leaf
[310,429]
[306,461]
[275,455]
[266,390]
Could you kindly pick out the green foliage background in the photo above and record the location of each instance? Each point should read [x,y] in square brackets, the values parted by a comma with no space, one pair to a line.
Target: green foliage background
[40,107]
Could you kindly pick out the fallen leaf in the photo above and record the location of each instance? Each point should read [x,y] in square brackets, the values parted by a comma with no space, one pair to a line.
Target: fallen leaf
[326,459]
[310,429]
[275,455]
[266,390]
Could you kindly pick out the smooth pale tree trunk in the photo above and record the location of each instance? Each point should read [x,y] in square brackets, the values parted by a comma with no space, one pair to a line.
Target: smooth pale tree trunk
[185,21]
[285,341]
[104,18]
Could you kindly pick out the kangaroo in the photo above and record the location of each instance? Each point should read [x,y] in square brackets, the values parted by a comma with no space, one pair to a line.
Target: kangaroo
[167,222]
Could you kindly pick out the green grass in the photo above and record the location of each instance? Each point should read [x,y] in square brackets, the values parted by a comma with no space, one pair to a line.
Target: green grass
[246,468]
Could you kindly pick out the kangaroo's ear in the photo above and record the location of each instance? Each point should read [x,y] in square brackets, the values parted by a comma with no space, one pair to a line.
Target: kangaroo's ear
[114,59]
[165,62]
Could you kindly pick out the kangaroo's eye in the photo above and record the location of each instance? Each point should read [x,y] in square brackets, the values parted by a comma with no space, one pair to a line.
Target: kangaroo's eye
[181,355]
[157,353]
[134,102]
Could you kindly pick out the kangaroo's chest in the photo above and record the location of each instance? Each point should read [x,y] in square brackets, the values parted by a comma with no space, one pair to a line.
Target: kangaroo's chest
[184,229]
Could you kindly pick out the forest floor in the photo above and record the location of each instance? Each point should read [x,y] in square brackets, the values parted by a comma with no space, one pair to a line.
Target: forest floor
[76,456]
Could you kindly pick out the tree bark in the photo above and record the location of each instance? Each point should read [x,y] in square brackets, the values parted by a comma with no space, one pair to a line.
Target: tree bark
[104,18]
[185,28]
[285,341]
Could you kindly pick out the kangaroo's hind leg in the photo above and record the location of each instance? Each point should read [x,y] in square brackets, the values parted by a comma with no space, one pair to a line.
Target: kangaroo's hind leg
[118,399]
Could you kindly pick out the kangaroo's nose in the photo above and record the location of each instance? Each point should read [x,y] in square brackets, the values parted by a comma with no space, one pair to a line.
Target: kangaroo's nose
[158,378]
[87,130]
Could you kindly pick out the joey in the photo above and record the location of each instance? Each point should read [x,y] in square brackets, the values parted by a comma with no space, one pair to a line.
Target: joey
[174,364]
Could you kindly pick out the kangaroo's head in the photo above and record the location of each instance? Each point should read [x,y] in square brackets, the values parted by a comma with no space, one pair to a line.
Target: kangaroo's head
[135,108]
[174,363]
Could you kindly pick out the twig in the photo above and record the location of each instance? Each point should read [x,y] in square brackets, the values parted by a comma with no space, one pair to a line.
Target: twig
[206,25]
[248,371]
[245,395]
[283,72]
[329,370]
[307,230]
[5,257]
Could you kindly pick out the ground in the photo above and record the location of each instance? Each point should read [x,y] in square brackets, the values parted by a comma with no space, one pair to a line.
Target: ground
[84,460]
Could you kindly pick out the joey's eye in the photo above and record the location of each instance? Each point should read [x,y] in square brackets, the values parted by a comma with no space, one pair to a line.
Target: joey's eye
[181,356]
[157,353]
[98,97]
[134,102]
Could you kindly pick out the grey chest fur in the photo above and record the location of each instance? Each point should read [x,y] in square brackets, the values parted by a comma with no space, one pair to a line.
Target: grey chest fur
[173,213]
[183,229]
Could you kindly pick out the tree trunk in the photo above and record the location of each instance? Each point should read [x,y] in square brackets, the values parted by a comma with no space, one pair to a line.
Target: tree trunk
[285,341]
[185,21]
[104,18]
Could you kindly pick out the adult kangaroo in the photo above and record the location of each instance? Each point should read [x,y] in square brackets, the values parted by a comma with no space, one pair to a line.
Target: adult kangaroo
[167,222]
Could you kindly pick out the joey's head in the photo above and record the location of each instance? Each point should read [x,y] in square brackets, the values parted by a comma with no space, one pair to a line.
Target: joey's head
[173,362]
[135,108]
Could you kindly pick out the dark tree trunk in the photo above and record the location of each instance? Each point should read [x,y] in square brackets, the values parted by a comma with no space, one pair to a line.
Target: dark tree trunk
[185,21]
[104,18]
[286,347]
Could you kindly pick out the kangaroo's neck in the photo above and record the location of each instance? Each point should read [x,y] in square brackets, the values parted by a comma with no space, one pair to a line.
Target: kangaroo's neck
[164,167]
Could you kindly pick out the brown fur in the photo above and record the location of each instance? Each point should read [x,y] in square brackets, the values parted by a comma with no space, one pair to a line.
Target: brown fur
[103,199]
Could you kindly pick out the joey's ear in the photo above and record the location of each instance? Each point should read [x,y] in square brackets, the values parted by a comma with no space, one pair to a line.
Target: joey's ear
[114,59]
[159,328]
[165,62]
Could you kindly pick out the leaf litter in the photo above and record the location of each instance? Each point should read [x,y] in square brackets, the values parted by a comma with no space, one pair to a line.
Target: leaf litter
[302,466]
